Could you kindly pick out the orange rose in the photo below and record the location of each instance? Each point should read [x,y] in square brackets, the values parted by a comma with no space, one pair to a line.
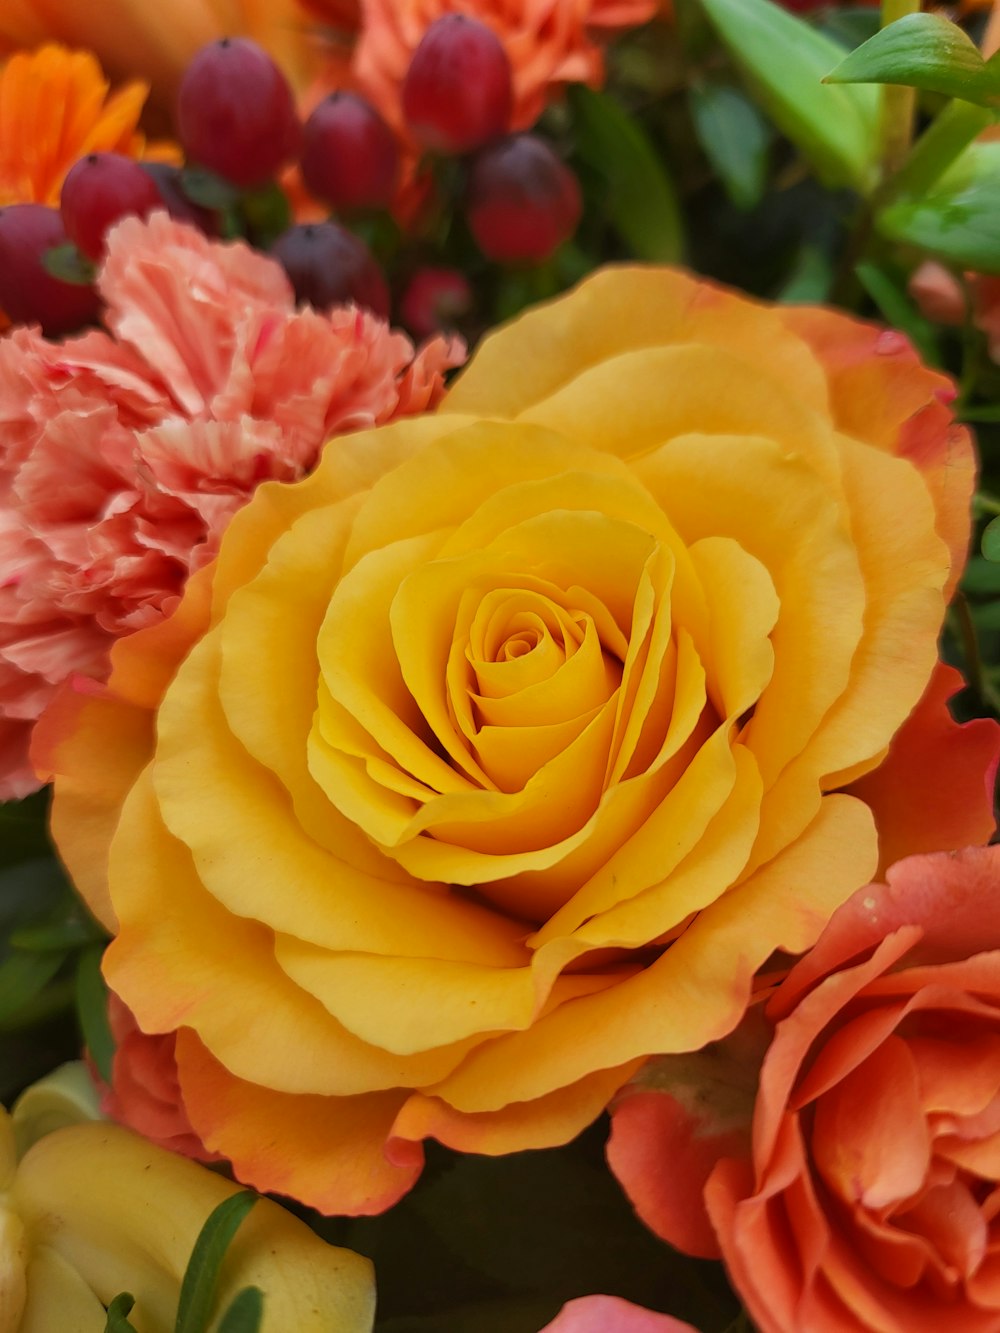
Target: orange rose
[548,44]
[867,1200]
[144,1094]
[500,753]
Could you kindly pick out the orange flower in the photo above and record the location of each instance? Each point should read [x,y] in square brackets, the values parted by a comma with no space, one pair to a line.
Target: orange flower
[681,1115]
[938,293]
[548,43]
[54,108]
[144,1094]
[865,1198]
[501,752]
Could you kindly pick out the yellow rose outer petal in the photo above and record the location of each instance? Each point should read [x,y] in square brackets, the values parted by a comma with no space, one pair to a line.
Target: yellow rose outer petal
[617,310]
[905,566]
[638,401]
[349,469]
[269,697]
[554,1119]
[329,1152]
[177,946]
[84,821]
[414,999]
[463,465]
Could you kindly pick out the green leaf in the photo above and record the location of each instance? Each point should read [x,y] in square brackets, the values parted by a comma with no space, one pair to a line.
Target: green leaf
[958,218]
[898,310]
[937,150]
[204,187]
[986,617]
[92,1010]
[735,138]
[202,1274]
[850,27]
[639,195]
[72,928]
[785,59]
[267,212]
[991,540]
[981,414]
[981,577]
[810,279]
[118,1311]
[923,51]
[244,1313]
[66,263]
[23,976]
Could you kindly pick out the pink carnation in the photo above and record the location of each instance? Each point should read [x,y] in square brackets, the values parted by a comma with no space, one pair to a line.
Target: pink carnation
[123,455]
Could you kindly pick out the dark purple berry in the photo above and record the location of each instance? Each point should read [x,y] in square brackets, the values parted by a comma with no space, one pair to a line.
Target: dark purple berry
[349,155]
[522,201]
[29,294]
[100,190]
[236,114]
[458,91]
[434,299]
[327,265]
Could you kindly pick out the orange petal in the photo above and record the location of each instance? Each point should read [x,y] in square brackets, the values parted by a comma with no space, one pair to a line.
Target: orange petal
[934,789]
[548,1121]
[327,1152]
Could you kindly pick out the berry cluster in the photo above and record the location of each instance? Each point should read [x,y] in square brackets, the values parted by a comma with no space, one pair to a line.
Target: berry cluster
[521,200]
[238,128]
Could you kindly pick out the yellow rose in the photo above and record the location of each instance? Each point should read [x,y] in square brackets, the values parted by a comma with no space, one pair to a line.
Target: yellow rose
[499,754]
[93,1210]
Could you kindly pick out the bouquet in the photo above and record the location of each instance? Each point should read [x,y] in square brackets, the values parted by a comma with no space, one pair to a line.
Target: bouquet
[500,667]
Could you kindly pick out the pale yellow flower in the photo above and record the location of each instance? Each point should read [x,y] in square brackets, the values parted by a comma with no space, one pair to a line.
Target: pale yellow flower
[93,1210]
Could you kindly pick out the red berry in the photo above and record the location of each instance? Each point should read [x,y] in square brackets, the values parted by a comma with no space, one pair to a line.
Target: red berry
[99,190]
[458,91]
[328,265]
[522,202]
[176,202]
[29,294]
[349,155]
[434,299]
[235,112]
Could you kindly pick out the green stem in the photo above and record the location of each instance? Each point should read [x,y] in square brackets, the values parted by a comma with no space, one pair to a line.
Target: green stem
[898,103]
[957,125]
